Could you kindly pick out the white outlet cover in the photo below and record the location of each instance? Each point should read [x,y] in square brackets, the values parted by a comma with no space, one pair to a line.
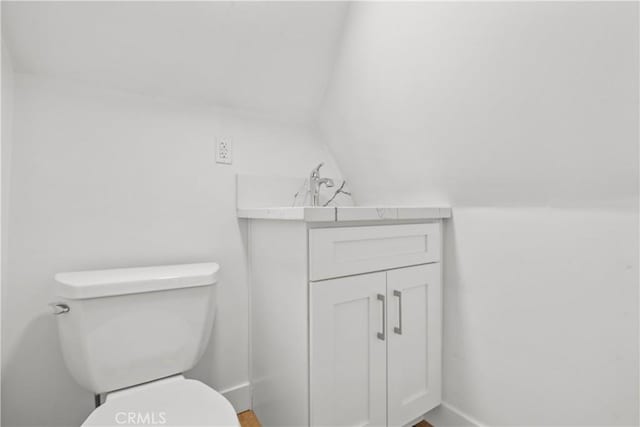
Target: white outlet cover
[224,151]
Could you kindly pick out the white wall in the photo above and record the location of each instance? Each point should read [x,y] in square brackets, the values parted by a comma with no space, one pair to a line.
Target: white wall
[106,179]
[5,156]
[523,117]
[541,315]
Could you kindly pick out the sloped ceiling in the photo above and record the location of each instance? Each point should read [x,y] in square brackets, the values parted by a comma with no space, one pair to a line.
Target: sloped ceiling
[273,57]
[487,103]
[461,103]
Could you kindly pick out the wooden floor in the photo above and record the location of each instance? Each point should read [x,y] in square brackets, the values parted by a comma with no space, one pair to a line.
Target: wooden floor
[249,419]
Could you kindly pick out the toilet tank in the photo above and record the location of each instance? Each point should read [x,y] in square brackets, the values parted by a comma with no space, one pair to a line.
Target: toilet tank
[133,325]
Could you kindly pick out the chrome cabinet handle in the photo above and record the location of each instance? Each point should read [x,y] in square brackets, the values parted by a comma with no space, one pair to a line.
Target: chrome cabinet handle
[59,308]
[381,335]
[398,329]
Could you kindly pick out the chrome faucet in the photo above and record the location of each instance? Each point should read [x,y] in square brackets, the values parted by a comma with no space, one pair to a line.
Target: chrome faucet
[314,184]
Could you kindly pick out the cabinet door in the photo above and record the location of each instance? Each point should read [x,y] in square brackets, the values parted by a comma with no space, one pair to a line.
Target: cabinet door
[348,351]
[415,341]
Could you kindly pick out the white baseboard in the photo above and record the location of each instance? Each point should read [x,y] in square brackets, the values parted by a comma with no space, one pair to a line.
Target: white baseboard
[239,396]
[447,415]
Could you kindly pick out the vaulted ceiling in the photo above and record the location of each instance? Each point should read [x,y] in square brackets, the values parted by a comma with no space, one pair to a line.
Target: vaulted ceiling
[487,103]
[462,103]
[273,57]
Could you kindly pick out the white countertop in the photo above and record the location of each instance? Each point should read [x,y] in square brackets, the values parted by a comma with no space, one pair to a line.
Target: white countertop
[346,213]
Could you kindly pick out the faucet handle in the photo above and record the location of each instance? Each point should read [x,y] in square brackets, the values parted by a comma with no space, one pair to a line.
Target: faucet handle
[316,170]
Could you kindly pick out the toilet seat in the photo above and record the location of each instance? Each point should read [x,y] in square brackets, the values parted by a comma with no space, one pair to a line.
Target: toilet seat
[173,401]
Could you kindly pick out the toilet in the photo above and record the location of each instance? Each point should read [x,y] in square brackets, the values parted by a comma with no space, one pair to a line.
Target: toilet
[131,333]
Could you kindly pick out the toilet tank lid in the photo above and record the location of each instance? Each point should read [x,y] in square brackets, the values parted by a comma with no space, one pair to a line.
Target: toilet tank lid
[123,281]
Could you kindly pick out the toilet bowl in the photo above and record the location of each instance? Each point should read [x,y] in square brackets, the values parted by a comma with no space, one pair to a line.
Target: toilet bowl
[129,334]
[174,401]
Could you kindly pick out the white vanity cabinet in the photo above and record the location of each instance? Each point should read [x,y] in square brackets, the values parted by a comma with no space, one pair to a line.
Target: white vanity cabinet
[348,364]
[414,348]
[375,347]
[346,321]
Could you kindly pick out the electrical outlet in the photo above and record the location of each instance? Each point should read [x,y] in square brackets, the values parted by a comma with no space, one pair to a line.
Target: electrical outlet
[224,151]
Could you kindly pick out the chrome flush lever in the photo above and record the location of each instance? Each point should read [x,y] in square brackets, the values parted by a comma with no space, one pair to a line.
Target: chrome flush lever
[59,308]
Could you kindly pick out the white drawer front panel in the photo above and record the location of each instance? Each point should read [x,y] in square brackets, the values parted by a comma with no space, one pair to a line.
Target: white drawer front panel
[343,251]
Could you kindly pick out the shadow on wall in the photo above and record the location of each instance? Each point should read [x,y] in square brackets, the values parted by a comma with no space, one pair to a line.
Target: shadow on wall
[38,388]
